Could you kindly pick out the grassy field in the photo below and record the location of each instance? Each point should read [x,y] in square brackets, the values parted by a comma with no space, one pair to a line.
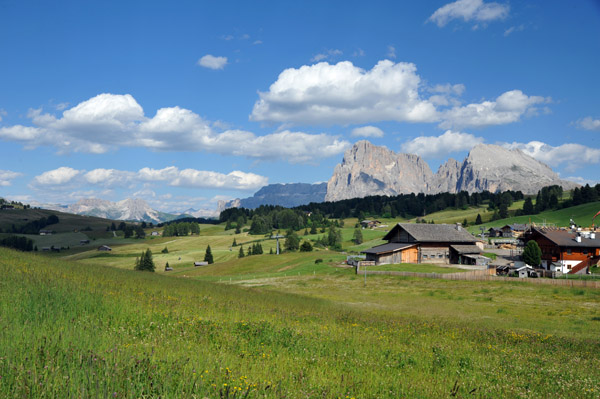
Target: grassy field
[420,268]
[67,222]
[287,327]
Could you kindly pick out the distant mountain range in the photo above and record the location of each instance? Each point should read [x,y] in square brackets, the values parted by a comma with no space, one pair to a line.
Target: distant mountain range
[365,170]
[128,209]
[286,195]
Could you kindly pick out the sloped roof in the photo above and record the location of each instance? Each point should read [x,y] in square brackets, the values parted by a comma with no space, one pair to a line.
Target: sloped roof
[385,248]
[566,238]
[433,233]
[466,249]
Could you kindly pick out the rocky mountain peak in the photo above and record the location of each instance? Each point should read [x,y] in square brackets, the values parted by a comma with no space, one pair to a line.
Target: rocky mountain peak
[367,169]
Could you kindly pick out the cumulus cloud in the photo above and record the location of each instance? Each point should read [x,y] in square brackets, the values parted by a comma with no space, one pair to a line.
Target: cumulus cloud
[172,176]
[441,146]
[573,155]
[469,10]
[588,123]
[212,62]
[367,131]
[7,176]
[343,93]
[56,177]
[507,108]
[109,121]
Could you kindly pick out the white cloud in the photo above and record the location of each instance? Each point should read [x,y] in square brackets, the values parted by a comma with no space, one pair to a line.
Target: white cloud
[55,177]
[7,176]
[508,108]
[172,176]
[343,93]
[441,146]
[367,131]
[514,29]
[574,155]
[212,62]
[469,10]
[329,54]
[588,123]
[108,177]
[391,52]
[359,53]
[109,121]
[256,42]
[2,113]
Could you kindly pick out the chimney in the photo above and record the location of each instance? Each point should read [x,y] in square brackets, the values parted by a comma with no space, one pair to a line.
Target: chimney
[458,226]
[593,235]
[578,238]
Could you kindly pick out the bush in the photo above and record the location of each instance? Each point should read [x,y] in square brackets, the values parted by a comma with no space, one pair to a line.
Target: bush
[317,261]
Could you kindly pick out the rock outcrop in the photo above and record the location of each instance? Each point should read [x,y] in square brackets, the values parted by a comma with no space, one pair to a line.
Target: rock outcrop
[371,170]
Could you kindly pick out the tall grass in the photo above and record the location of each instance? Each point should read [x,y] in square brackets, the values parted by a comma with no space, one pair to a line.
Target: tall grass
[74,330]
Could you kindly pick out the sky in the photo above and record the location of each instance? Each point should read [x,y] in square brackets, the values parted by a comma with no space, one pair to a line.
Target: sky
[184,103]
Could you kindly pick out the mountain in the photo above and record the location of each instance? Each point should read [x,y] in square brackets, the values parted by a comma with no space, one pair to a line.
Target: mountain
[128,209]
[494,168]
[367,169]
[371,170]
[286,195]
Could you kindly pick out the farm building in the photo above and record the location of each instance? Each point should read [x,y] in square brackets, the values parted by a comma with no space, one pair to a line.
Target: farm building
[426,243]
[370,223]
[104,248]
[567,251]
[46,232]
[196,264]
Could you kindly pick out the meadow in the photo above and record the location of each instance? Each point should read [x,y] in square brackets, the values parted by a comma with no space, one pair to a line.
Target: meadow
[301,330]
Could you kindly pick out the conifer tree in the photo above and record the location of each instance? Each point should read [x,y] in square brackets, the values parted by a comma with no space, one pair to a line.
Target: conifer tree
[241,253]
[208,256]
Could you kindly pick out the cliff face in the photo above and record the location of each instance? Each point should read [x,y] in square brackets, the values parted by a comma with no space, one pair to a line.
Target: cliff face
[371,170]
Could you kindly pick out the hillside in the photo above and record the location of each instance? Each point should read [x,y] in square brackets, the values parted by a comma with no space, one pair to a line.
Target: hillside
[286,327]
[68,222]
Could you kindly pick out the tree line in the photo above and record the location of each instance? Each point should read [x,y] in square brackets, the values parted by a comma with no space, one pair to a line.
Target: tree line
[34,226]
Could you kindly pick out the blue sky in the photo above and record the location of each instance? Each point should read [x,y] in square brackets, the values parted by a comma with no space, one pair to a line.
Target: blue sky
[186,103]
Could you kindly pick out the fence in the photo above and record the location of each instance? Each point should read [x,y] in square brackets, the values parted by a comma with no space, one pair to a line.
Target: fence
[485,275]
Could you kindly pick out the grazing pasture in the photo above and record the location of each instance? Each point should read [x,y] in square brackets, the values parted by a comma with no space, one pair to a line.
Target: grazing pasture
[81,329]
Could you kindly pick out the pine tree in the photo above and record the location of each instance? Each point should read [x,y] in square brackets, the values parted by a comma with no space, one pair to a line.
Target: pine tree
[306,247]
[528,207]
[234,244]
[478,219]
[358,237]
[208,257]
[465,223]
[241,253]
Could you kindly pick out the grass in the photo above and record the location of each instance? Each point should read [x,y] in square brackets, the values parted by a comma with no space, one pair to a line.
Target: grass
[420,268]
[69,329]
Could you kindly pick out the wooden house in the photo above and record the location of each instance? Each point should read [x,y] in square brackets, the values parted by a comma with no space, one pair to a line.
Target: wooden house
[425,243]
[370,223]
[104,248]
[567,251]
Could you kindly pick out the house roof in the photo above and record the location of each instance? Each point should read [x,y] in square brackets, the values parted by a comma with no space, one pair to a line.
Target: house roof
[566,238]
[516,226]
[386,248]
[466,249]
[433,233]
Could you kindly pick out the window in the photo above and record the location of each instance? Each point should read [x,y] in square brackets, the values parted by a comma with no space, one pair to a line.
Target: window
[424,256]
[585,251]
[440,256]
[569,251]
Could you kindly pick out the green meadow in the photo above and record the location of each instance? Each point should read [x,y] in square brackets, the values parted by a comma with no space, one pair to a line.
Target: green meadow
[83,324]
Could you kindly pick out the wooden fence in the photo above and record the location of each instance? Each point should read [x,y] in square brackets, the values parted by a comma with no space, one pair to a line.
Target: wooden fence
[485,275]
